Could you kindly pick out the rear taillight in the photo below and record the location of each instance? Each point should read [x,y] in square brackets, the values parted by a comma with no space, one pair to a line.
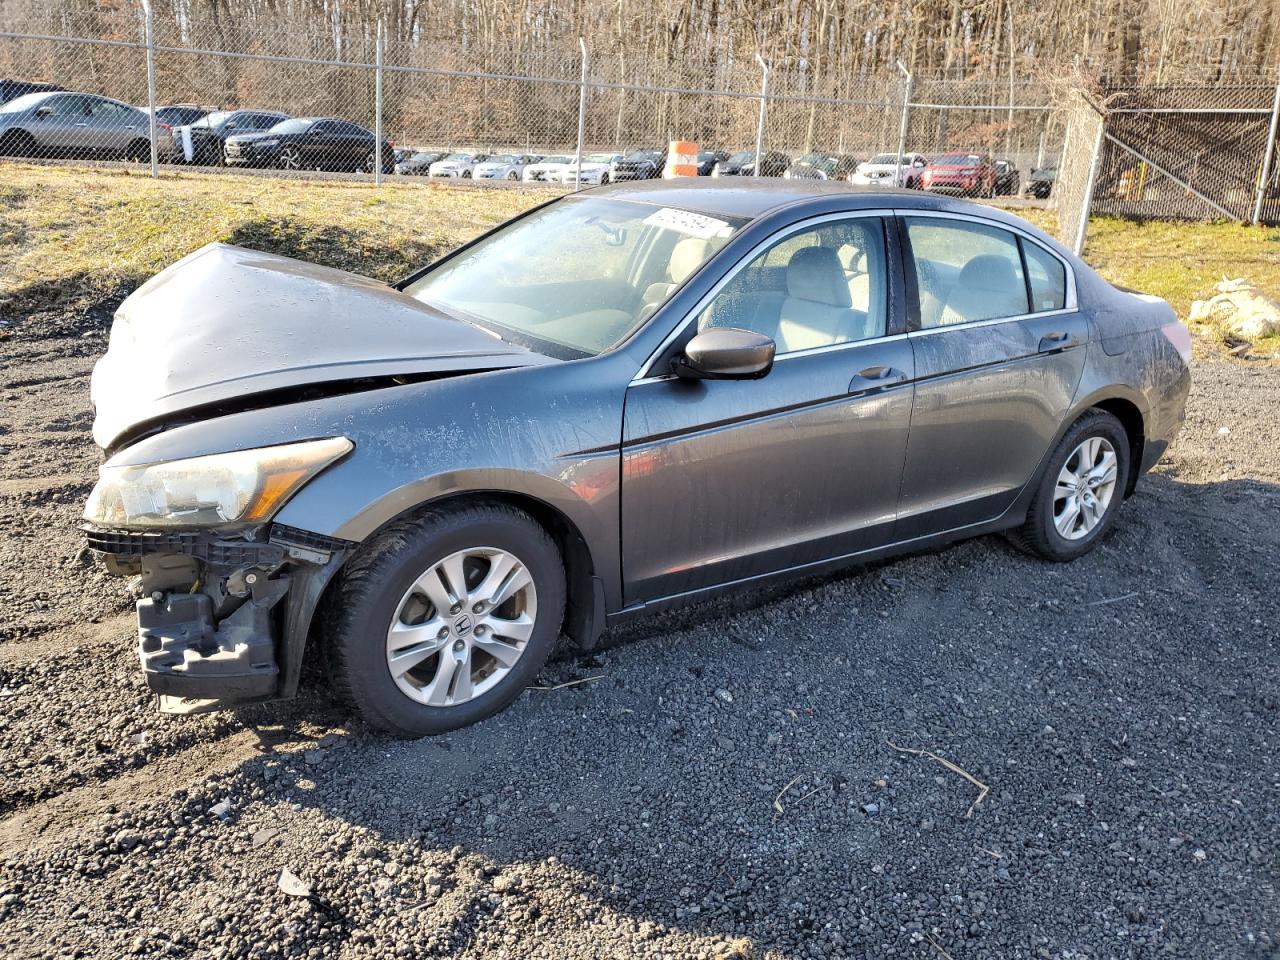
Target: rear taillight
[1180,337]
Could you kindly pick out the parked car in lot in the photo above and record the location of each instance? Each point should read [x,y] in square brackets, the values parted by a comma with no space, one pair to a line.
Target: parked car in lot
[822,166]
[1040,183]
[180,114]
[432,481]
[1008,180]
[638,165]
[203,141]
[964,174]
[459,164]
[12,89]
[77,125]
[743,164]
[707,160]
[312,143]
[504,166]
[595,169]
[418,163]
[882,170]
[546,169]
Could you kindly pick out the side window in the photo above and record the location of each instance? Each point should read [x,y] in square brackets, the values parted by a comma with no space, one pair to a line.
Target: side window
[965,271]
[1047,276]
[261,121]
[816,288]
[325,128]
[68,106]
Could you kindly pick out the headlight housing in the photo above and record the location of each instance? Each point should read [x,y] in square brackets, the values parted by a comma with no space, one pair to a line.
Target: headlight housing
[268,143]
[245,486]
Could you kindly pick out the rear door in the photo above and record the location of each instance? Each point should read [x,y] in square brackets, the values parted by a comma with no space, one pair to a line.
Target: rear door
[999,349]
[723,480]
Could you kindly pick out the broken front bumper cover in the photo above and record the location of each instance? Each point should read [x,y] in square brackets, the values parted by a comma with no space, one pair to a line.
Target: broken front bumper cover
[223,618]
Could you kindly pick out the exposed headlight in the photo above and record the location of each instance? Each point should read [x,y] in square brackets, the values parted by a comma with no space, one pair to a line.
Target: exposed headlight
[246,486]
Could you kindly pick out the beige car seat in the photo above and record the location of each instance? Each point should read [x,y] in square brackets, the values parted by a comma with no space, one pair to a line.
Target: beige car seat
[854,262]
[817,309]
[987,288]
[686,256]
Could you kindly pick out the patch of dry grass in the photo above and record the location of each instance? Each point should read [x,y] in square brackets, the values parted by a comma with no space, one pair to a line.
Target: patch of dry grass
[71,235]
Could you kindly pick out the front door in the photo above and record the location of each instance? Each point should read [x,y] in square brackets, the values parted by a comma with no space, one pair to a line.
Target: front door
[999,349]
[724,480]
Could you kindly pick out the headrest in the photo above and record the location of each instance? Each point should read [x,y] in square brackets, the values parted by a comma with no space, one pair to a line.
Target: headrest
[988,271]
[686,256]
[814,273]
[852,258]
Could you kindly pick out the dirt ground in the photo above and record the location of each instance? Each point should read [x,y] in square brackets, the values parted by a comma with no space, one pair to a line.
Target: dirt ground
[720,784]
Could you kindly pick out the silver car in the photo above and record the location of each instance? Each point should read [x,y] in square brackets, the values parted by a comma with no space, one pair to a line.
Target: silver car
[77,125]
[623,400]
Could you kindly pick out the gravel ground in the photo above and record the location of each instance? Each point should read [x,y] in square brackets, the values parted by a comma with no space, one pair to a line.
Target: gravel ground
[721,783]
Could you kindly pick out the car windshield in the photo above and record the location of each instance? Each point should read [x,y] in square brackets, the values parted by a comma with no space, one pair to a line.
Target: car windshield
[643,155]
[296,125]
[953,159]
[557,159]
[576,277]
[459,156]
[24,102]
[743,156]
[503,158]
[599,158]
[883,158]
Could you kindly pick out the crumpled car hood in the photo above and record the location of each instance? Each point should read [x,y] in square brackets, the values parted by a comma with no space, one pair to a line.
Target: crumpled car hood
[225,323]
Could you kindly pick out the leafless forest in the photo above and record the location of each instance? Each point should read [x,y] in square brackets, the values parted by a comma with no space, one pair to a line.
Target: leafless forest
[659,69]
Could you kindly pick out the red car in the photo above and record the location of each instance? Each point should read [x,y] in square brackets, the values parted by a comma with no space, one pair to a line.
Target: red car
[966,174]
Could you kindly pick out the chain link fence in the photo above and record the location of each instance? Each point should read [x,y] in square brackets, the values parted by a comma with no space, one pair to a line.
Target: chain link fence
[295,97]
[219,92]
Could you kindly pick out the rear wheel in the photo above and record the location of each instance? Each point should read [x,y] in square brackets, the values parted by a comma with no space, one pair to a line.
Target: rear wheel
[1080,491]
[443,621]
[18,143]
[138,151]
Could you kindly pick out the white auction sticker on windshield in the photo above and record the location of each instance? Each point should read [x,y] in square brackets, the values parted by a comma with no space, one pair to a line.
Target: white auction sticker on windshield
[694,224]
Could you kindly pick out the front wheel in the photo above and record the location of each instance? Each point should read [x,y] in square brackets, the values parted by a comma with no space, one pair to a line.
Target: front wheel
[1080,491]
[290,158]
[444,620]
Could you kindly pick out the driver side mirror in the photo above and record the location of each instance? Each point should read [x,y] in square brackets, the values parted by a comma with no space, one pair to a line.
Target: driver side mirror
[920,163]
[725,353]
[43,112]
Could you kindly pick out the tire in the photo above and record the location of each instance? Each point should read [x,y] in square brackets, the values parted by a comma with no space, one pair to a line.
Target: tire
[380,590]
[1041,533]
[466,174]
[18,143]
[512,175]
[604,179]
[138,152]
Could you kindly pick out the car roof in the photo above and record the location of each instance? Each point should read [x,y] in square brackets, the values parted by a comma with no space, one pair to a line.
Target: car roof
[750,198]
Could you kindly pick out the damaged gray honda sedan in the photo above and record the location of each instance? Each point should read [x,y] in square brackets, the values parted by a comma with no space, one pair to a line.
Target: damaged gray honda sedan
[622,400]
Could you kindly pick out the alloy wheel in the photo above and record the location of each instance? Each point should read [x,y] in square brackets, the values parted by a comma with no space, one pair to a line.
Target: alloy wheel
[290,159]
[1085,488]
[461,627]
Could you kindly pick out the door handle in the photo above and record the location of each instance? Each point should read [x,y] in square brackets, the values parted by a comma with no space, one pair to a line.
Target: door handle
[1058,340]
[876,378]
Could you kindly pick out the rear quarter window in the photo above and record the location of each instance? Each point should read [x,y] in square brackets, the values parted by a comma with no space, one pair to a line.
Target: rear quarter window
[1047,277]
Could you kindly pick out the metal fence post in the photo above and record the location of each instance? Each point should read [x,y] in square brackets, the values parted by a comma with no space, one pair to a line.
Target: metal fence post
[582,117]
[906,116]
[1087,202]
[149,33]
[764,99]
[377,107]
[1267,158]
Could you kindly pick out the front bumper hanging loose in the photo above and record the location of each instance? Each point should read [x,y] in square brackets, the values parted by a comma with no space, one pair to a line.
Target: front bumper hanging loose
[212,628]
